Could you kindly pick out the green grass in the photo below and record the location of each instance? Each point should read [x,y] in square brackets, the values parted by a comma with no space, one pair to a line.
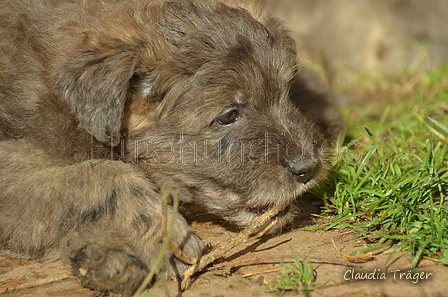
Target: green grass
[298,278]
[167,231]
[390,182]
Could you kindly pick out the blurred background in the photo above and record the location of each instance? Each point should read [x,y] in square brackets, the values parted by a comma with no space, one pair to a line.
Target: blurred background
[387,36]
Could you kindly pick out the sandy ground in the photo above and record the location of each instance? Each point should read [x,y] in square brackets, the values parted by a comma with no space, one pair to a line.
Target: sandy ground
[249,268]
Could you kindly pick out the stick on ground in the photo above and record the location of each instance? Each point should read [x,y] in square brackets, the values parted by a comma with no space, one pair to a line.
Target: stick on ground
[243,236]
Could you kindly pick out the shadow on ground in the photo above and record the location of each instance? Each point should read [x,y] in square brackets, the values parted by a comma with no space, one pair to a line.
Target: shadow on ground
[249,268]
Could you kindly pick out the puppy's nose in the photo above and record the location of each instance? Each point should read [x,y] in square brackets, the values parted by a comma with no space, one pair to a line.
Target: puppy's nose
[304,169]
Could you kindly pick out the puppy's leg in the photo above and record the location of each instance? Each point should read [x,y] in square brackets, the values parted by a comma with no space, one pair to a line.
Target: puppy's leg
[102,215]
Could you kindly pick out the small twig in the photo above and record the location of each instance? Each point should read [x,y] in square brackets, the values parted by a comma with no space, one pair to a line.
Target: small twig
[354,259]
[166,234]
[243,236]
[181,255]
[262,232]
[173,249]
[260,272]
[274,260]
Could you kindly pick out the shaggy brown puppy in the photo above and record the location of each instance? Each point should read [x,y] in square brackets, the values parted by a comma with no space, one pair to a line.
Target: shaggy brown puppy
[101,104]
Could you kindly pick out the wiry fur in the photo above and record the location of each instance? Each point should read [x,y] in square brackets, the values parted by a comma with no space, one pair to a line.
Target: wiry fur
[101,104]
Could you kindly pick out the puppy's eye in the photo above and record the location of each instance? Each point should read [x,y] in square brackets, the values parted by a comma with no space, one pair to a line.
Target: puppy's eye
[228,118]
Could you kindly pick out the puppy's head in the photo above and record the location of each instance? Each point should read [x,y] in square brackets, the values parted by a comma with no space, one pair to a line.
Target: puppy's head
[198,93]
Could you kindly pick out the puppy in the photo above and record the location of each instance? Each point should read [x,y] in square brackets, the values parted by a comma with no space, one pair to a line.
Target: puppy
[103,103]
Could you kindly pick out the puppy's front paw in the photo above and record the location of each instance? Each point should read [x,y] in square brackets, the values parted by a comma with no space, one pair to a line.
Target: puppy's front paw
[103,266]
[186,241]
[111,271]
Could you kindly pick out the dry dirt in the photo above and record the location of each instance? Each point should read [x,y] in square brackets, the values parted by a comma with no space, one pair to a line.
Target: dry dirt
[249,268]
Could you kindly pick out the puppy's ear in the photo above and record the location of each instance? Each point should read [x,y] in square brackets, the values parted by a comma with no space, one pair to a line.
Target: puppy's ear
[94,79]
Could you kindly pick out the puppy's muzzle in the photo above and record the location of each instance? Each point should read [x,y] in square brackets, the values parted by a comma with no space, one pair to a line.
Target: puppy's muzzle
[304,169]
